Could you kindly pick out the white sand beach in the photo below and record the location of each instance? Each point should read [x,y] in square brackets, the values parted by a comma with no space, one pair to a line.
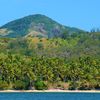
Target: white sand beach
[54,90]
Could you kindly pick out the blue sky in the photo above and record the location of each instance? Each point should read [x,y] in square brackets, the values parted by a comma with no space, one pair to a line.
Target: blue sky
[84,14]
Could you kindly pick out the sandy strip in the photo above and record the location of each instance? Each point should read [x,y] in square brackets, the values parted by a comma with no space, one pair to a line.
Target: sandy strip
[54,90]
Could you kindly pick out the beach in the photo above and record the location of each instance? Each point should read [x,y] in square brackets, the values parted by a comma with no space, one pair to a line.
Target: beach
[54,90]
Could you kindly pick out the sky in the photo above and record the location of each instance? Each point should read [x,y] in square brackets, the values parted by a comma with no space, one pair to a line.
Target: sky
[83,14]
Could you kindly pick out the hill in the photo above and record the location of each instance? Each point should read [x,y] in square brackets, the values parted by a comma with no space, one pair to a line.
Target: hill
[35,25]
[39,53]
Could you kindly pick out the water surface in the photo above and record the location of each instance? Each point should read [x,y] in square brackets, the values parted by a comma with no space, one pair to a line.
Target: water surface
[49,96]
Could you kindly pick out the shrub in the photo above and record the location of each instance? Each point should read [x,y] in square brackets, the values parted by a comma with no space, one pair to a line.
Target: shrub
[40,85]
[20,85]
[4,85]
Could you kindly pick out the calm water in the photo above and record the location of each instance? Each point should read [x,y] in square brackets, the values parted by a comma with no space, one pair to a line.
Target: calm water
[49,96]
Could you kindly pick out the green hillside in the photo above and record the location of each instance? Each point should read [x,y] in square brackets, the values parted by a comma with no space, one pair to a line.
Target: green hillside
[35,25]
[34,57]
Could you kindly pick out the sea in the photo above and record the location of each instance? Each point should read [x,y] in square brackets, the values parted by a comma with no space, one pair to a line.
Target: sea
[50,96]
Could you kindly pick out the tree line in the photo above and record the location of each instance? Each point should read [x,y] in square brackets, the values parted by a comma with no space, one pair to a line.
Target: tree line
[22,72]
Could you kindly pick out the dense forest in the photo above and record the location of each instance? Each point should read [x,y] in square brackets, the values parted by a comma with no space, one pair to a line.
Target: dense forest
[59,63]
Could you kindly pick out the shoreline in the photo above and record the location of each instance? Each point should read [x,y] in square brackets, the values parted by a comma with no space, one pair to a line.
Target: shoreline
[47,91]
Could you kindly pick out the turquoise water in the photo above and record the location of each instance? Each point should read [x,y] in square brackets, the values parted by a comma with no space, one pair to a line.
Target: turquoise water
[49,96]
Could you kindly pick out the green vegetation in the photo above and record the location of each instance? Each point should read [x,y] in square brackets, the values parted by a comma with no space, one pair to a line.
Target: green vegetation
[20,72]
[35,25]
[40,85]
[44,54]
[40,63]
